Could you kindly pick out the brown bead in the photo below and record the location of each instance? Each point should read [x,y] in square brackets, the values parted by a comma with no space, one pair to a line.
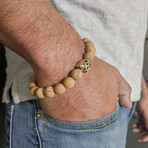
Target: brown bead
[59,89]
[39,93]
[85,40]
[89,43]
[49,92]
[90,49]
[32,79]
[69,82]
[76,74]
[31,84]
[32,90]
[89,56]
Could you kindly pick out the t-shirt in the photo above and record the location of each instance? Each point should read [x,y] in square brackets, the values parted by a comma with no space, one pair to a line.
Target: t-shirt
[117,27]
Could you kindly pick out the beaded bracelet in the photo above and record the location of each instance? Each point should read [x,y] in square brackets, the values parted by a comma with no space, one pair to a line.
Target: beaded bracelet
[83,66]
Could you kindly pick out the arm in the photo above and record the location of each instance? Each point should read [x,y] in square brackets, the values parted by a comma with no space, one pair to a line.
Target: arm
[142,109]
[35,30]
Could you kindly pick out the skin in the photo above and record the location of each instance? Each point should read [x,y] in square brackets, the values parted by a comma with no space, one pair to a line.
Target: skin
[142,108]
[36,31]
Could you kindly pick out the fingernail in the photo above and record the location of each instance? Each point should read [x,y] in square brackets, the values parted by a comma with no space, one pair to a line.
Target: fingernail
[134,130]
[139,140]
[145,140]
[134,125]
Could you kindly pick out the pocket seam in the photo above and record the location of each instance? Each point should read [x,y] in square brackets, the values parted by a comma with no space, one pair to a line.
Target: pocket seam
[105,123]
[84,121]
[114,116]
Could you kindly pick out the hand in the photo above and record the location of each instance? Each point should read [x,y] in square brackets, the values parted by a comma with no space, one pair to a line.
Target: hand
[142,109]
[94,96]
[142,125]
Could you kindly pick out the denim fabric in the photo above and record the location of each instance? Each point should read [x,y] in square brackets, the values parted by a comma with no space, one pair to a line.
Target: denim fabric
[28,127]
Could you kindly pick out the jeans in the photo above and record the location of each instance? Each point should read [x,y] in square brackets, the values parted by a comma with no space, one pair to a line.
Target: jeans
[28,127]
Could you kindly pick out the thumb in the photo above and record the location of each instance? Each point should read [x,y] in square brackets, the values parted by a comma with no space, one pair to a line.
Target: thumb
[124,92]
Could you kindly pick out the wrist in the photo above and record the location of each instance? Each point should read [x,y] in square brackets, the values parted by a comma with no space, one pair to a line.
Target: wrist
[56,63]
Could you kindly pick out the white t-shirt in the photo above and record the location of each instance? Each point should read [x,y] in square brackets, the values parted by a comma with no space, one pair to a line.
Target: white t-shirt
[117,27]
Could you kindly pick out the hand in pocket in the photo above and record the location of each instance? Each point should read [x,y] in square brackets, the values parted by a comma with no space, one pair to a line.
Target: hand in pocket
[92,97]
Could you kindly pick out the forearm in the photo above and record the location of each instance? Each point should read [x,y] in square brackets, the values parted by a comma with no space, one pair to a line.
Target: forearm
[35,30]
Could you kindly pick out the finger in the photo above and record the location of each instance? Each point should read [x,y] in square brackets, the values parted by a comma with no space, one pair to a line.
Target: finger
[124,92]
[143,138]
[139,124]
[134,125]
[145,118]
[138,130]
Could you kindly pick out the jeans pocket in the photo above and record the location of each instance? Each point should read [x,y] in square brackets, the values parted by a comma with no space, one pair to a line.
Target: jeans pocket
[85,125]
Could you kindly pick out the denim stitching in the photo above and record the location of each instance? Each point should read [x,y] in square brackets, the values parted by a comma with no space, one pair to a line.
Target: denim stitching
[98,127]
[11,124]
[84,124]
[36,128]
[105,123]
[116,113]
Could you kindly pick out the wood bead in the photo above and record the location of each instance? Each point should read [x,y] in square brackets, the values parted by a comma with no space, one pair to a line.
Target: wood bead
[69,82]
[59,89]
[76,74]
[49,92]
[32,79]
[32,90]
[83,66]
[89,56]
[31,84]
[85,40]
[89,43]
[39,93]
[90,49]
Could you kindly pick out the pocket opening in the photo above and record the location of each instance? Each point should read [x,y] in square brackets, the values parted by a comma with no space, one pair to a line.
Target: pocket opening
[84,125]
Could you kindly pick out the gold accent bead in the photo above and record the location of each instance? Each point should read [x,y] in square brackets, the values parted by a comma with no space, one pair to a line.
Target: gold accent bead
[76,74]
[59,89]
[90,49]
[84,65]
[31,84]
[81,62]
[89,56]
[49,92]
[85,40]
[69,82]
[89,43]
[39,93]
[32,79]
[32,90]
